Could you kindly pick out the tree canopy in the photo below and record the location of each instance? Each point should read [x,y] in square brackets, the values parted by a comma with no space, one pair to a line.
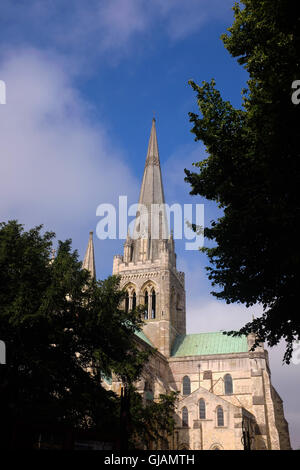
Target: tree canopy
[63,332]
[253,170]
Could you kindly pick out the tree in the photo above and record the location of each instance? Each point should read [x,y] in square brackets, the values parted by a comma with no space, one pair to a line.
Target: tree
[63,331]
[152,422]
[253,171]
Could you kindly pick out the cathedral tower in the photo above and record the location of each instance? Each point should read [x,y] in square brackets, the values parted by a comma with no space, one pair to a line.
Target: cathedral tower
[148,267]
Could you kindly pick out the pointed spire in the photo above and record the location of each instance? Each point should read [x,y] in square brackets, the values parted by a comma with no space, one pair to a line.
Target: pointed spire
[89,259]
[171,241]
[128,238]
[151,199]
[152,154]
[152,188]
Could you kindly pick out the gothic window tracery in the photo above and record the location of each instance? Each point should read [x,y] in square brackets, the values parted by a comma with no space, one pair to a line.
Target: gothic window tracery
[130,298]
[146,305]
[185,417]
[153,306]
[126,302]
[186,385]
[149,295]
[202,409]
[228,384]
[220,416]
[148,391]
[133,300]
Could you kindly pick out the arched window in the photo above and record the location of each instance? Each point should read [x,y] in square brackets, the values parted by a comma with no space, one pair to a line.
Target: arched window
[220,416]
[228,384]
[133,300]
[148,392]
[202,409]
[153,307]
[186,385]
[185,417]
[126,302]
[146,305]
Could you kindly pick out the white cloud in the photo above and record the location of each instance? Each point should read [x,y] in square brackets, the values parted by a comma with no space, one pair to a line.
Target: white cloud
[56,166]
[184,18]
[107,25]
[212,315]
[120,20]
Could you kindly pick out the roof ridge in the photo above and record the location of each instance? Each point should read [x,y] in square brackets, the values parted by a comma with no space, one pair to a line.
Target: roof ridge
[205,333]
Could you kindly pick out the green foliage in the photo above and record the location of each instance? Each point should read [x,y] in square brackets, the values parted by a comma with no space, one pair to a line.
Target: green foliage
[151,422]
[253,171]
[62,331]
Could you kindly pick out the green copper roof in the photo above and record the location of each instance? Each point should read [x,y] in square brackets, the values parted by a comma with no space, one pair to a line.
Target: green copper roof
[208,343]
[142,336]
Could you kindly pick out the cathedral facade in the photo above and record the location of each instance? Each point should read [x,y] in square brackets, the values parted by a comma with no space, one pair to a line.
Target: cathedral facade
[226,397]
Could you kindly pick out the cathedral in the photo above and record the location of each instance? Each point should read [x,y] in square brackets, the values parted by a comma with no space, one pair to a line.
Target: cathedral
[226,397]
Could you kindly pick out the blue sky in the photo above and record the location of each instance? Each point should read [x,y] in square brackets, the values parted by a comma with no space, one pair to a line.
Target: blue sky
[83,81]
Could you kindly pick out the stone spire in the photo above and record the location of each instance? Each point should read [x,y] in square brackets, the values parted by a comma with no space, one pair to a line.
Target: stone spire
[152,188]
[152,153]
[151,202]
[89,259]
[148,266]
